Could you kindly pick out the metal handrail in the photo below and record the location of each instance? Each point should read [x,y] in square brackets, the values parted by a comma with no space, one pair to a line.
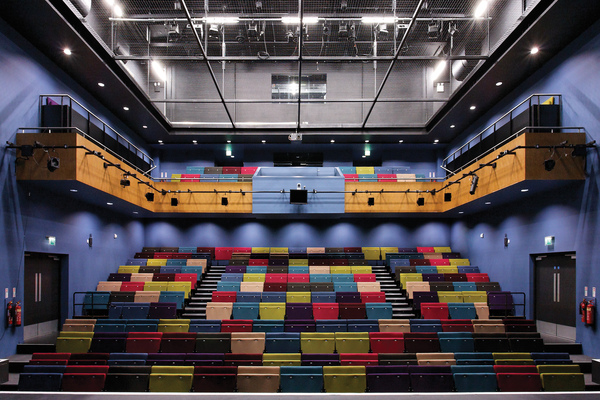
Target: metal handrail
[120,138]
[477,138]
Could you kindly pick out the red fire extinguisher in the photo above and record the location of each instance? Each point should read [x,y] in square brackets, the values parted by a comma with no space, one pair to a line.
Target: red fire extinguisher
[582,310]
[590,310]
[18,314]
[9,314]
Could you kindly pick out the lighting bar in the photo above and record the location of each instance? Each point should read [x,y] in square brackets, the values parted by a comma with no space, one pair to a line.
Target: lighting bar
[377,20]
[296,20]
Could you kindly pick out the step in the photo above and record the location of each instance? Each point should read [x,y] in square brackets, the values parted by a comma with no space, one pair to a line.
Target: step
[194,315]
[194,309]
[571,348]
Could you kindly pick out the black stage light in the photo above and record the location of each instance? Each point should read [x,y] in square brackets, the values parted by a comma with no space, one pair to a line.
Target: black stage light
[224,201]
[125,182]
[174,202]
[26,151]
[53,164]
[549,164]
[474,181]
[371,201]
[149,196]
[447,196]
[421,201]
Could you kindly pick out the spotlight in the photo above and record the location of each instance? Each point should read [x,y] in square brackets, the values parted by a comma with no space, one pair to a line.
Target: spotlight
[252,31]
[224,201]
[352,34]
[421,201]
[343,30]
[149,196]
[326,31]
[433,30]
[549,164]
[53,163]
[506,240]
[447,196]
[474,181]
[371,201]
[241,37]
[174,201]
[213,32]
[381,31]
[125,182]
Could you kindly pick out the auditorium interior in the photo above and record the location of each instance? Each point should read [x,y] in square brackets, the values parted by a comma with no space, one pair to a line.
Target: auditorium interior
[365,197]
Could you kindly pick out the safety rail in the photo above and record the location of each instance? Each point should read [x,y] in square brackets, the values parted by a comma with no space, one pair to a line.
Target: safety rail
[529,115]
[92,311]
[91,127]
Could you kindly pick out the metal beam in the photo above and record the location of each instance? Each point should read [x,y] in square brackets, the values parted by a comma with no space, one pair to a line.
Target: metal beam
[267,101]
[391,66]
[210,70]
[300,44]
[294,58]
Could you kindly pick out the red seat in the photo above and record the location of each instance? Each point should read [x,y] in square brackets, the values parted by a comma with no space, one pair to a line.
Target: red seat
[132,286]
[326,311]
[480,277]
[47,361]
[248,170]
[299,278]
[190,177]
[434,310]
[236,325]
[372,297]
[359,359]
[83,382]
[224,297]
[521,369]
[87,369]
[160,277]
[187,277]
[439,261]
[365,278]
[519,382]
[276,278]
[351,177]
[143,342]
[425,250]
[223,253]
[386,178]
[387,342]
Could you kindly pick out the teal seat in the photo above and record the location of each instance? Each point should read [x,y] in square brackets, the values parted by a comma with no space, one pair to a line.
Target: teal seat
[462,311]
[268,325]
[256,269]
[172,262]
[296,269]
[344,287]
[228,286]
[378,310]
[189,269]
[282,342]
[245,310]
[426,269]
[464,286]
[320,277]
[342,278]
[453,345]
[172,297]
[96,301]
[301,379]
[475,382]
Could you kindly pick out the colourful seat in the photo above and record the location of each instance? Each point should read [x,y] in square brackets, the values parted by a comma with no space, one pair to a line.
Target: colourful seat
[301,379]
[272,310]
[344,379]
[352,342]
[258,379]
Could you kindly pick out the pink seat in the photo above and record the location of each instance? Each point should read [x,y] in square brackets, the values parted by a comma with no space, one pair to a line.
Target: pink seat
[299,278]
[478,277]
[351,177]
[386,177]
[132,286]
[365,278]
[190,177]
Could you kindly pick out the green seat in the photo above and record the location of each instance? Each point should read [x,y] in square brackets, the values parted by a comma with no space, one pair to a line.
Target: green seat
[297,297]
[352,342]
[156,286]
[459,261]
[447,269]
[282,359]
[371,253]
[562,382]
[164,382]
[299,262]
[272,310]
[317,343]
[185,287]
[361,269]
[345,379]
[559,369]
[172,369]
[156,262]
[179,327]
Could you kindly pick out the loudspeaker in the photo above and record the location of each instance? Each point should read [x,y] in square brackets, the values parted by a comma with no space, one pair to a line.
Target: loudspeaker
[224,201]
[421,201]
[149,196]
[447,196]
[53,164]
[371,201]
[26,151]
[174,201]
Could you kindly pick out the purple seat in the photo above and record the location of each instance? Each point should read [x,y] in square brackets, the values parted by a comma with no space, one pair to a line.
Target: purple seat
[119,277]
[424,297]
[421,342]
[320,359]
[348,297]
[299,311]
[166,359]
[431,382]
[300,325]
[204,359]
[501,303]
[460,277]
[235,269]
[160,277]
[387,378]
[433,277]
[162,310]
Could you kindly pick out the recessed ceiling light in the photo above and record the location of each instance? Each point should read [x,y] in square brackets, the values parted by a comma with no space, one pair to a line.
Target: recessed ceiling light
[332,141]
[452,126]
[498,83]
[263,141]
[488,203]
[232,156]
[135,212]
[436,141]
[145,126]
[229,141]
[195,141]
[364,156]
[367,141]
[160,141]
[109,204]
[472,108]
[400,141]
[524,190]
[101,84]
[126,108]
[534,50]
[73,190]
[461,212]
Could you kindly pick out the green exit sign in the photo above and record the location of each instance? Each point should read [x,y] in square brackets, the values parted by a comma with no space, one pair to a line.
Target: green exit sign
[51,240]
[549,240]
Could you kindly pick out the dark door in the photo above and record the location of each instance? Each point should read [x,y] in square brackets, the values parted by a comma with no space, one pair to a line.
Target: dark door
[42,288]
[555,300]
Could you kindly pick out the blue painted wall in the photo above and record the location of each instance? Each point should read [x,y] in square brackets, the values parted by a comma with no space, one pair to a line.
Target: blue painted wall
[570,214]
[28,215]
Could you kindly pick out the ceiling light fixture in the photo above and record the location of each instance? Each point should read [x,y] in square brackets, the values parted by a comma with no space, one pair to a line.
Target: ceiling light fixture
[109,204]
[461,212]
[367,141]
[195,141]
[145,126]
[101,84]
[160,141]
[472,108]
[474,182]
[436,141]
[118,11]
[221,20]
[524,190]
[498,83]
[229,141]
[332,141]
[126,108]
[534,50]
[400,141]
[73,190]
[488,203]
[263,141]
[67,51]
[452,126]
[481,9]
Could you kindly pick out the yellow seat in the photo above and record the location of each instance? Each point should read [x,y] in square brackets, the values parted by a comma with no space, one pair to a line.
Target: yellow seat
[371,253]
[73,344]
[511,356]
[179,327]
[175,177]
[479,296]
[75,334]
[258,379]
[248,342]
[317,342]
[394,325]
[110,286]
[442,250]
[279,250]
[172,369]
[156,262]
[156,286]
[450,297]
[385,250]
[272,310]
[128,269]
[340,269]
[352,342]
[73,327]
[562,382]
[361,269]
[319,269]
[162,382]
[459,261]
[447,269]
[517,361]
[141,277]
[410,277]
[365,170]
[282,359]
[345,379]
[298,262]
[260,250]
[219,311]
[254,277]
[297,297]
[196,262]
[252,286]
[183,286]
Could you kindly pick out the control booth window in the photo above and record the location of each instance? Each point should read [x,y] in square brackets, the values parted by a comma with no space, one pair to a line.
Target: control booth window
[285,87]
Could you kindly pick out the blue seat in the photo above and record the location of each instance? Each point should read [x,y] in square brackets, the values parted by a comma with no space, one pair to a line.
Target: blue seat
[320,277]
[323,297]
[268,325]
[172,297]
[192,269]
[331,325]
[462,311]
[296,269]
[141,327]
[274,297]
[471,369]
[224,286]
[205,325]
[282,342]
[188,249]
[137,261]
[475,382]
[232,277]
[399,262]
[302,379]
[347,170]
[249,297]
[474,358]
[245,310]
[194,170]
[379,310]
[40,382]
[342,278]
[367,177]
[108,327]
[127,358]
[453,345]
[426,269]
[58,369]
[344,286]
[96,301]
[425,325]
[171,269]
[134,311]
[115,309]
[256,269]
[228,178]
[210,177]
[464,286]
[363,325]
[470,269]
[176,262]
